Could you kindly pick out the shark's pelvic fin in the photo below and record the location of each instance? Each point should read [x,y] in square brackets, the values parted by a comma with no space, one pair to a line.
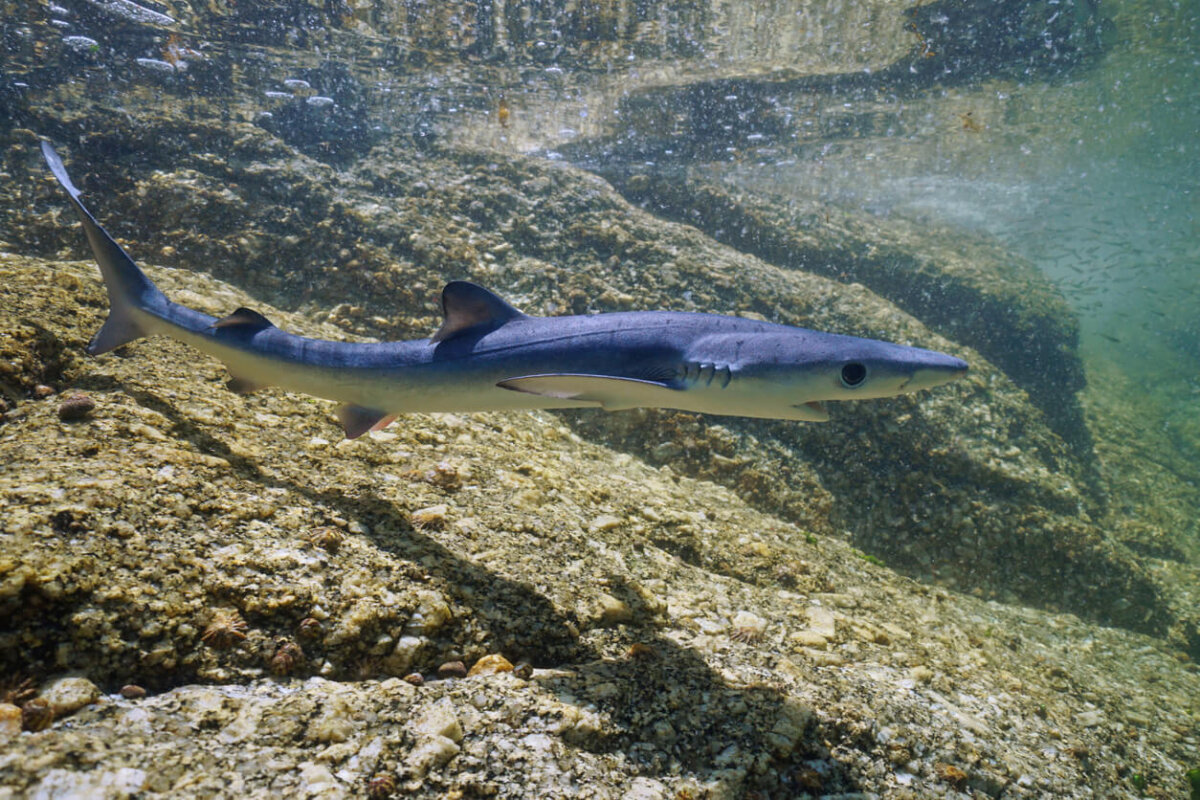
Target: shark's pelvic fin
[357,420]
[468,306]
[611,393]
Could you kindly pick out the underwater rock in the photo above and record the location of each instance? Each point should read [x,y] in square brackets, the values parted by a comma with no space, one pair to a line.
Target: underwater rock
[515,583]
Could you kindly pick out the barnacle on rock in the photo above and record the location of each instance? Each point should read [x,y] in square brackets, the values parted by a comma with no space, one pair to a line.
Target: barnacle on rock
[288,656]
[310,628]
[37,714]
[640,650]
[746,635]
[226,629]
[381,785]
[327,538]
[17,689]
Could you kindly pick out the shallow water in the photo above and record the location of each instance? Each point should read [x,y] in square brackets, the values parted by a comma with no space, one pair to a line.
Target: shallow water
[341,160]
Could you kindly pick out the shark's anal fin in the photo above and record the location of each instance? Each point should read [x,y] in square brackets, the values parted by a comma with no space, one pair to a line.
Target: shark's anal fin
[467,306]
[357,420]
[614,394]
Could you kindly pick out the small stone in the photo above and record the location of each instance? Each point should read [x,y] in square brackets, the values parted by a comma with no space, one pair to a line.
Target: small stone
[604,522]
[132,691]
[452,669]
[75,407]
[435,751]
[613,611]
[821,621]
[432,612]
[68,695]
[647,789]
[42,391]
[415,678]
[441,720]
[809,639]
[10,721]
[523,670]
[491,665]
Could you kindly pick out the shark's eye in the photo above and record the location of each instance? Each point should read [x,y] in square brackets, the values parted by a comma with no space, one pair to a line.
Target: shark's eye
[853,374]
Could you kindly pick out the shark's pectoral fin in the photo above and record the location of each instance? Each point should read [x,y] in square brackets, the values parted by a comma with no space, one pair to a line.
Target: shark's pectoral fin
[613,394]
[812,411]
[357,420]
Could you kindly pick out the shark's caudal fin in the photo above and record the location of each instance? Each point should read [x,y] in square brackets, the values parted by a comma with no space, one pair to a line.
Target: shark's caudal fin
[128,287]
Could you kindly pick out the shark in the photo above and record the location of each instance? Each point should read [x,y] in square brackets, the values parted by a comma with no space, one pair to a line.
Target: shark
[489,356]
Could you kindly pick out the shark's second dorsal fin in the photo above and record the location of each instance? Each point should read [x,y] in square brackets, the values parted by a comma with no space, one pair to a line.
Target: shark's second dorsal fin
[467,305]
[246,318]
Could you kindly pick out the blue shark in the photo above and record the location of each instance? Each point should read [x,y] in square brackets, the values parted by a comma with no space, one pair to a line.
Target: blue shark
[489,356]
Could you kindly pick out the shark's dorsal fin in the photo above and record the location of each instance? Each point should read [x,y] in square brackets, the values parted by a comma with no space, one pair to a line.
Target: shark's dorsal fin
[467,306]
[246,318]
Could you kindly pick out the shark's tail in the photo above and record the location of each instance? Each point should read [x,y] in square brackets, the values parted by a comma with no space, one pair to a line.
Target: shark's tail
[128,287]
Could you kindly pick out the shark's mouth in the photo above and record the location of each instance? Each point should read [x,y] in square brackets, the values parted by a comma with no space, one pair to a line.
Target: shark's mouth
[818,406]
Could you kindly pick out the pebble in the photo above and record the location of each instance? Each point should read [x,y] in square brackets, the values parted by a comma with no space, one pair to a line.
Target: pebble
[10,721]
[156,65]
[132,691]
[751,623]
[80,44]
[809,639]
[452,669]
[441,720]
[75,407]
[69,694]
[491,665]
[133,12]
[613,611]
[821,621]
[604,522]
